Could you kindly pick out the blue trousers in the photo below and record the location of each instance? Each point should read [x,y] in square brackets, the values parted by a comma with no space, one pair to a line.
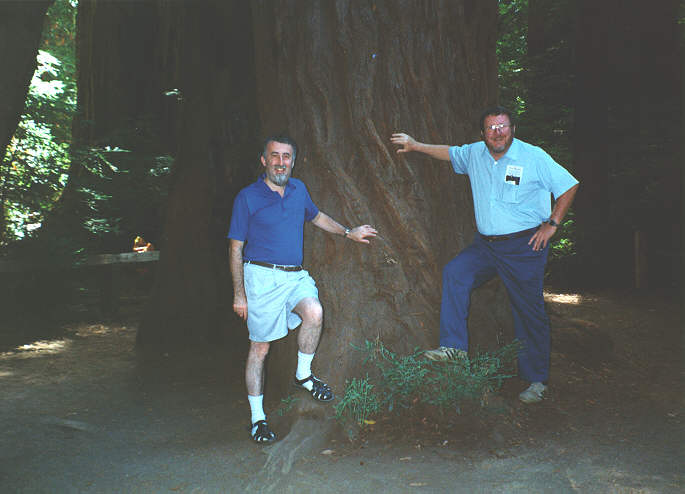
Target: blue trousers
[522,270]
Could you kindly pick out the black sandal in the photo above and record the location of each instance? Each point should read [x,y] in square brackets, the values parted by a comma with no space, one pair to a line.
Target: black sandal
[262,434]
[320,390]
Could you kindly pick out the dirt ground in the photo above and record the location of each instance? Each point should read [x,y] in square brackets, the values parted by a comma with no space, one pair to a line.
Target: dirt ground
[82,412]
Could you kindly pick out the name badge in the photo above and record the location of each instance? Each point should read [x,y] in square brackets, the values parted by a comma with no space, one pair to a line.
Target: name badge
[513,174]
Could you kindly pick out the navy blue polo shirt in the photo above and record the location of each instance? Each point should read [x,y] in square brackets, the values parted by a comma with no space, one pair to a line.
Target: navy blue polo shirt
[272,226]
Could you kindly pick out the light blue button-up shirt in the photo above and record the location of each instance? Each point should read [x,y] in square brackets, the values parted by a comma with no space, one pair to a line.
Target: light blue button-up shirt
[513,193]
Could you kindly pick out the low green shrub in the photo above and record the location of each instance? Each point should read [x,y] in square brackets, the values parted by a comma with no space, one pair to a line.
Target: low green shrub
[406,380]
[359,403]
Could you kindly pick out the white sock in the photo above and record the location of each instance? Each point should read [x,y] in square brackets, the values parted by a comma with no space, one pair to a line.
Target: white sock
[304,368]
[257,408]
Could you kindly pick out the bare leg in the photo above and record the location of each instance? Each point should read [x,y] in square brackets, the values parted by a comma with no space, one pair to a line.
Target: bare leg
[308,337]
[311,312]
[254,369]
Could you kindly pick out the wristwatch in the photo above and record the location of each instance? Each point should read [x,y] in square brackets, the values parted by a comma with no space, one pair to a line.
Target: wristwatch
[347,232]
[552,222]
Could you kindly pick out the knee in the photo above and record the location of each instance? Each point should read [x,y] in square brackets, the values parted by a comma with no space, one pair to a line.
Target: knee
[313,313]
[453,271]
[259,350]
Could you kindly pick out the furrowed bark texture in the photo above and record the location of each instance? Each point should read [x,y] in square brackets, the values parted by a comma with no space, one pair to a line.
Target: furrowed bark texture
[341,77]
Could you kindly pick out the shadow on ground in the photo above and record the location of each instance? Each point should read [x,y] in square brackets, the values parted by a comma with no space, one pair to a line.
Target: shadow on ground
[83,412]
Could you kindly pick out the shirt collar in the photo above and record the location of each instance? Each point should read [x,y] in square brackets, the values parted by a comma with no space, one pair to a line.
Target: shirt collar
[288,187]
[514,150]
[512,153]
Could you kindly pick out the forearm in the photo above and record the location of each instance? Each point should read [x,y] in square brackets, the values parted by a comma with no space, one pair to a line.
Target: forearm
[328,224]
[437,151]
[547,230]
[359,234]
[409,144]
[563,203]
[236,266]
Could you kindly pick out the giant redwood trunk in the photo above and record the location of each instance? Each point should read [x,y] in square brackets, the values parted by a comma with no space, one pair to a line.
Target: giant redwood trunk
[341,77]
[21,25]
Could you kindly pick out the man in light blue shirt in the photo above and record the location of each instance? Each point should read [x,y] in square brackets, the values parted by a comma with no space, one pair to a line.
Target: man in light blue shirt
[511,183]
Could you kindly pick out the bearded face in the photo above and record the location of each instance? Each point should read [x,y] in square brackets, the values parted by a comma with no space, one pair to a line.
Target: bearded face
[498,134]
[278,163]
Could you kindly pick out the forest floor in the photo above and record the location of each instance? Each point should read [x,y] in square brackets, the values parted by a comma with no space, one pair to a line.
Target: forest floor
[83,412]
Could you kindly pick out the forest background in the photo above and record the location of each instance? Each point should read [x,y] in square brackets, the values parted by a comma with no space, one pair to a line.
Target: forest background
[606,103]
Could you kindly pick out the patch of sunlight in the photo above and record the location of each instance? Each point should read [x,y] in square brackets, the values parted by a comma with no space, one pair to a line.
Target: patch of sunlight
[6,374]
[92,329]
[564,298]
[38,349]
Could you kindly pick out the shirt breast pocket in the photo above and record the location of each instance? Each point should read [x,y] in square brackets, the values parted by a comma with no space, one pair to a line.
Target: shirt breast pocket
[510,186]
[509,192]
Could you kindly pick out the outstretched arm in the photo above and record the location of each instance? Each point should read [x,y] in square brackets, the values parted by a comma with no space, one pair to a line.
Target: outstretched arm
[358,234]
[236,264]
[408,143]
[546,231]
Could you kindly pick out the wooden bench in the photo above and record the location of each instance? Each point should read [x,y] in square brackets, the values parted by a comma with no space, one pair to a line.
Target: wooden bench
[107,269]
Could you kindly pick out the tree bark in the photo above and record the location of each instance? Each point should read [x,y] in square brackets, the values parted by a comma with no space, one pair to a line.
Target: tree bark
[341,77]
[21,26]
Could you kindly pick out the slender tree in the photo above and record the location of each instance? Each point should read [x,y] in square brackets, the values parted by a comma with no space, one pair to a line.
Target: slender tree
[21,25]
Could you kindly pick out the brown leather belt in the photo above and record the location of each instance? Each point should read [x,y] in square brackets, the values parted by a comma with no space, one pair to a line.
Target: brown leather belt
[508,236]
[275,266]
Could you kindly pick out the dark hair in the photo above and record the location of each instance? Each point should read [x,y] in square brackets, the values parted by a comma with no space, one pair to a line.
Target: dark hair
[493,112]
[283,139]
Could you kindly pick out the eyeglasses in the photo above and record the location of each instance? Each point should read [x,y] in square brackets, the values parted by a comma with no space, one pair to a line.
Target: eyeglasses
[492,128]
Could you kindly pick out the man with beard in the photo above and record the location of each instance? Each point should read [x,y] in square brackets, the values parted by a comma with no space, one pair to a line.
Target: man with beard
[272,292]
[511,183]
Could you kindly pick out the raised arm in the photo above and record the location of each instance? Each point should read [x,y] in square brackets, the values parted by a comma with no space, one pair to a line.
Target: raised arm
[358,234]
[236,264]
[408,143]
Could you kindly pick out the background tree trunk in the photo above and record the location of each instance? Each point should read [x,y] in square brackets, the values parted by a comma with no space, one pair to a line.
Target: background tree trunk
[21,26]
[591,133]
[208,49]
[120,98]
[627,116]
[341,78]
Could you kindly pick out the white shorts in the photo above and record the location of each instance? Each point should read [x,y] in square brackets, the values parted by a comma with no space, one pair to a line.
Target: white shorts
[272,295]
